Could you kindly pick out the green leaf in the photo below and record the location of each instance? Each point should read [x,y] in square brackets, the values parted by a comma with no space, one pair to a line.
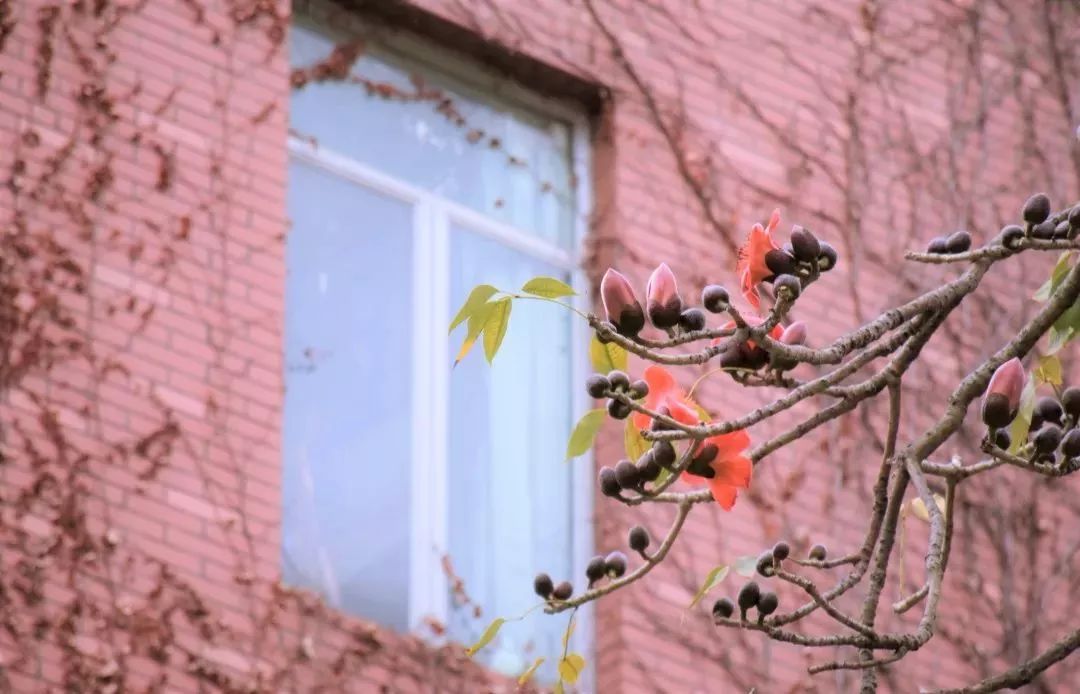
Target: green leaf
[527,675]
[712,579]
[1064,329]
[477,320]
[477,298]
[571,667]
[1018,430]
[606,358]
[1056,276]
[495,327]
[633,441]
[548,287]
[1048,370]
[584,433]
[746,565]
[485,638]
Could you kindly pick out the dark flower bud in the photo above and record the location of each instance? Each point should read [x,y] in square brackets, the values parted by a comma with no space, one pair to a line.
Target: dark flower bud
[1061,231]
[609,483]
[753,357]
[1011,235]
[1049,409]
[1044,231]
[804,245]
[626,473]
[781,550]
[663,303]
[616,564]
[818,553]
[1070,445]
[597,385]
[1037,208]
[748,597]
[766,565]
[638,538]
[1036,424]
[595,569]
[1074,217]
[767,604]
[618,410]
[639,389]
[958,242]
[723,608]
[828,258]
[789,283]
[733,358]
[692,319]
[937,245]
[618,380]
[663,452]
[543,586]
[563,591]
[620,304]
[780,262]
[1048,438]
[648,469]
[1002,399]
[705,457]
[715,298]
[1070,400]
[1002,439]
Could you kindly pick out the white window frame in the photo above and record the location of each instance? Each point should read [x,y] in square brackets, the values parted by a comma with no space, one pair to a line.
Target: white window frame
[429,590]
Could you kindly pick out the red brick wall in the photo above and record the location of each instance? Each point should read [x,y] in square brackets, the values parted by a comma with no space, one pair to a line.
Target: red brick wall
[191,223]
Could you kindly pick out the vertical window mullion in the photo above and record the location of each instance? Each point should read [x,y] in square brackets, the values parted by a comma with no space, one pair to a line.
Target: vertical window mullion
[427,589]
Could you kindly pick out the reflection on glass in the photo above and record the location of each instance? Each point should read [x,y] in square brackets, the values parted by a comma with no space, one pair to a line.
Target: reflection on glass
[511,165]
[347,435]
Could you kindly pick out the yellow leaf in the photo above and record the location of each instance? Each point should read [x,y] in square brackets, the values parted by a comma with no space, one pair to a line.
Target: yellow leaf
[606,358]
[477,298]
[485,638]
[548,287]
[477,320]
[1048,370]
[633,441]
[571,667]
[1018,430]
[495,327]
[527,675]
[712,579]
[584,433]
[918,508]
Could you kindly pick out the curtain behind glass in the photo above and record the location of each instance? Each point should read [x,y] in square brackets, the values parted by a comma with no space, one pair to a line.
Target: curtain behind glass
[510,495]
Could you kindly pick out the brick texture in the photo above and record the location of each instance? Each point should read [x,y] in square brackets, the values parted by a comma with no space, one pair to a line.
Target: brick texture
[200,98]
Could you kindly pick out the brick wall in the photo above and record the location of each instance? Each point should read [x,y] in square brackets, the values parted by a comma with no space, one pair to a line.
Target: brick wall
[182,251]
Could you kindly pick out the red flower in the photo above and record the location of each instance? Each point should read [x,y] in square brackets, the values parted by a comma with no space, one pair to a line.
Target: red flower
[731,469]
[751,267]
[665,392]
[722,454]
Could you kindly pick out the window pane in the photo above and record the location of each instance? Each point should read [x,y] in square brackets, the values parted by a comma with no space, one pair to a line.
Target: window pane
[473,149]
[510,491]
[348,395]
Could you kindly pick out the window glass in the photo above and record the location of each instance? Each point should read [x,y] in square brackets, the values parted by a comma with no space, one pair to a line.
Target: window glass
[509,491]
[467,147]
[347,420]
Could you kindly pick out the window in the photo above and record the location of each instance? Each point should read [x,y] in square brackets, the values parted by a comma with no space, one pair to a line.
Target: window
[406,189]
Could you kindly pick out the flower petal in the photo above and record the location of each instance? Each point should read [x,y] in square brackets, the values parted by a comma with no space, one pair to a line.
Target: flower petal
[734,471]
[724,494]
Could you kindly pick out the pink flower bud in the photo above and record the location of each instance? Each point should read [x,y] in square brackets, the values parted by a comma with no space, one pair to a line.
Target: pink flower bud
[1002,399]
[794,334]
[620,304]
[662,298]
